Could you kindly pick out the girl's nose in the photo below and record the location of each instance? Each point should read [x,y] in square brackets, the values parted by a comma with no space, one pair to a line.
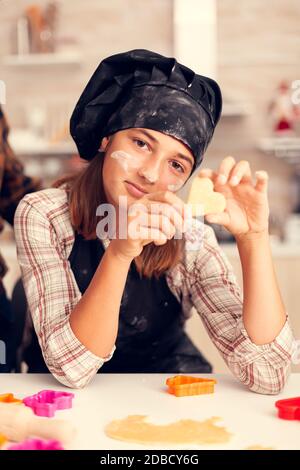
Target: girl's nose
[151,174]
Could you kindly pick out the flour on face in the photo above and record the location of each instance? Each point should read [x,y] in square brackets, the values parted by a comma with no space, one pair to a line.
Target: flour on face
[125,160]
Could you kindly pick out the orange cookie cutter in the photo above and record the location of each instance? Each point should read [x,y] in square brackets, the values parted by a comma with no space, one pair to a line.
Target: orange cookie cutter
[3,440]
[9,398]
[184,385]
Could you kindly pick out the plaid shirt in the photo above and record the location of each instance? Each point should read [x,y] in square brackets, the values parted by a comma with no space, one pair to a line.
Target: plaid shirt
[204,279]
[13,184]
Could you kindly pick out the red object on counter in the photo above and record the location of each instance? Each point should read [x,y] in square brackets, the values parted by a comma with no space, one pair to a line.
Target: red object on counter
[289,408]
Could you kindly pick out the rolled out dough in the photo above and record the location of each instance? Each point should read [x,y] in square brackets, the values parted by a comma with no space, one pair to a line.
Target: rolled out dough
[133,428]
[258,447]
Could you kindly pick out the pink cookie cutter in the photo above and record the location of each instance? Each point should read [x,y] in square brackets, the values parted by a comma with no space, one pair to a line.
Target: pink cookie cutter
[47,402]
[37,444]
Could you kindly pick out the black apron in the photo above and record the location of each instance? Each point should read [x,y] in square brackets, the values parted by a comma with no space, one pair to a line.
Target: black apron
[151,336]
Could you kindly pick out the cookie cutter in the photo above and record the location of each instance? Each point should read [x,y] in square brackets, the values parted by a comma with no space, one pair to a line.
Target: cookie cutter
[47,402]
[184,385]
[289,408]
[9,398]
[3,440]
[37,444]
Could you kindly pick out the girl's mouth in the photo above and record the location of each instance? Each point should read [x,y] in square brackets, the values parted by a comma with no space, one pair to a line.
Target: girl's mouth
[134,190]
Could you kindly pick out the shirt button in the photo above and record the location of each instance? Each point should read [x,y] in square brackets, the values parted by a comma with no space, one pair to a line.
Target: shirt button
[166,304]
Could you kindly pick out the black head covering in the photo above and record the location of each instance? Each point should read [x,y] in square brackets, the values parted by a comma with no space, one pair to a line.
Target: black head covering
[141,88]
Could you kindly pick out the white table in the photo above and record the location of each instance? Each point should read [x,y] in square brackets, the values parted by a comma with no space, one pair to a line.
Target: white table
[251,417]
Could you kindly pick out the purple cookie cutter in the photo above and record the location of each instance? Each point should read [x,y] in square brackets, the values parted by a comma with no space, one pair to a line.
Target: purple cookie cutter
[47,402]
[37,444]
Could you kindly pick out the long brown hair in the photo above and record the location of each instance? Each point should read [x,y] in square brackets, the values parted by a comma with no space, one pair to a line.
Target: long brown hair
[83,202]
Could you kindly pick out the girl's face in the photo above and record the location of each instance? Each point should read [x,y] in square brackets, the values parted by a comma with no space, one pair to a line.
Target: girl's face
[149,159]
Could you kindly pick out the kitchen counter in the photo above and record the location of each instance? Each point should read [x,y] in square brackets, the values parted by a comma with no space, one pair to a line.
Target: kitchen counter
[250,417]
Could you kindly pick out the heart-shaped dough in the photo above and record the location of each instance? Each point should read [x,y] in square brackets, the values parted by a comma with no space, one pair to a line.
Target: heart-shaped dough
[203,199]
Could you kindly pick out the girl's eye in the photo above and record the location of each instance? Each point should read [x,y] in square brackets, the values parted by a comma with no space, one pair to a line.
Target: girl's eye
[179,167]
[138,142]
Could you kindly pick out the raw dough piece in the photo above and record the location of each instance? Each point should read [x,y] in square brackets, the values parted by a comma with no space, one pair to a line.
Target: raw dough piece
[186,431]
[202,194]
[259,447]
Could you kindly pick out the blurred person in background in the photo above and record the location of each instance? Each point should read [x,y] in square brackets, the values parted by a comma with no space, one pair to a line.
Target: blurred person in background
[14,184]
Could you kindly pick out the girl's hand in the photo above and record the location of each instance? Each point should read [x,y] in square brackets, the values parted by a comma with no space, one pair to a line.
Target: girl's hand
[153,218]
[247,210]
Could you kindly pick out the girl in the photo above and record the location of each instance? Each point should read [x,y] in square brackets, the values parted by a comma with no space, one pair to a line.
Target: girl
[107,301]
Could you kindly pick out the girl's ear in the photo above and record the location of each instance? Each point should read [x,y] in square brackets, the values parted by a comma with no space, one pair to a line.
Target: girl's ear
[104,143]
